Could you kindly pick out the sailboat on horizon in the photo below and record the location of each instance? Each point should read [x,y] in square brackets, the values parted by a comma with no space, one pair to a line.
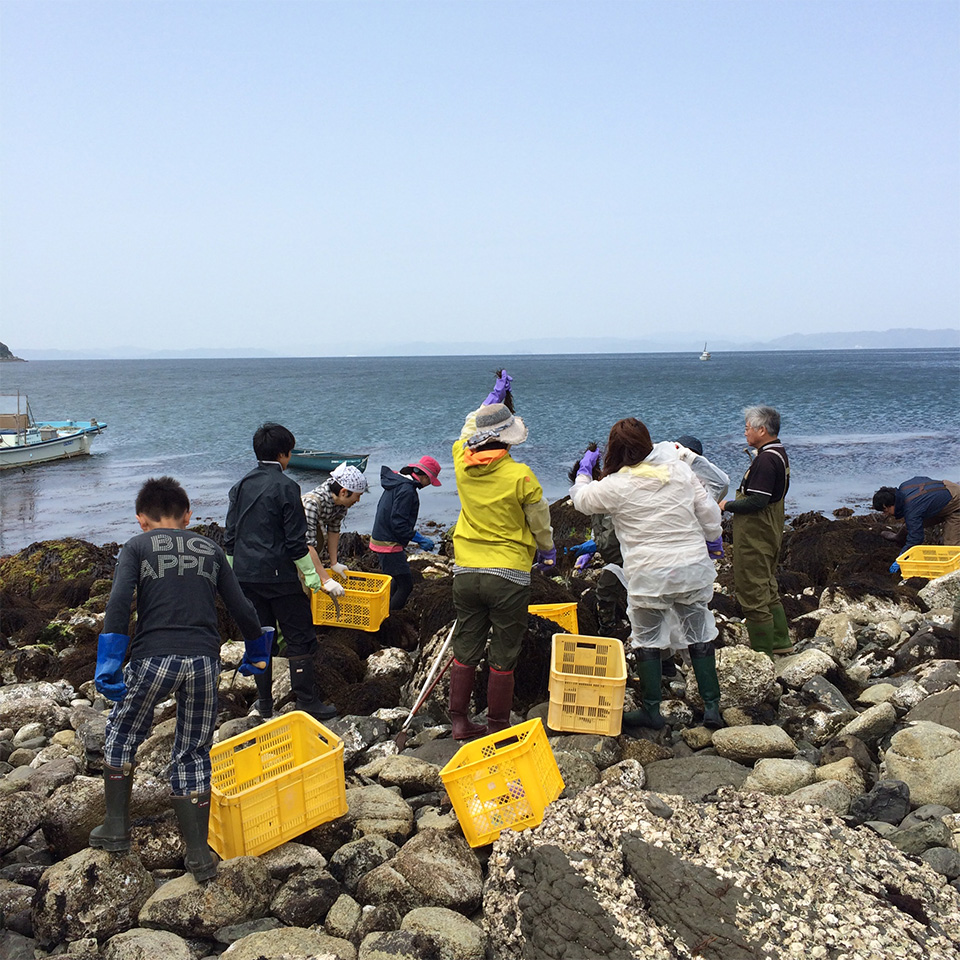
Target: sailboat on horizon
[706,353]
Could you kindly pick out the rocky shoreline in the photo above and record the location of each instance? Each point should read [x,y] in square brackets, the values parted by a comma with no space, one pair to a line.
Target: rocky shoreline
[823,820]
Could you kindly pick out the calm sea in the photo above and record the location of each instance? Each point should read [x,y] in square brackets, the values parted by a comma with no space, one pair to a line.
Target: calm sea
[851,421]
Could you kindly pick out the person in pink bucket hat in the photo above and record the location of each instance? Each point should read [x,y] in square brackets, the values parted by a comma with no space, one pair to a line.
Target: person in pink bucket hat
[395,523]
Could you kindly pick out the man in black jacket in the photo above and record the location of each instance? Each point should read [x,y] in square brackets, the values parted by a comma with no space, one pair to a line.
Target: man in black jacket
[266,544]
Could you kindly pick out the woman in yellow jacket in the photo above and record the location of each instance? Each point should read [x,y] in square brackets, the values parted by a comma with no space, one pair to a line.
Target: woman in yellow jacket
[504,525]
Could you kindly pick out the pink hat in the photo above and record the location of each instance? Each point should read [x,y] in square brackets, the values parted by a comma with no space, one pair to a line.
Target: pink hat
[430,467]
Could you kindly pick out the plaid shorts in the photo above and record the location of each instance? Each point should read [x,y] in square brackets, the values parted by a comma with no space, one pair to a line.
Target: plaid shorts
[193,681]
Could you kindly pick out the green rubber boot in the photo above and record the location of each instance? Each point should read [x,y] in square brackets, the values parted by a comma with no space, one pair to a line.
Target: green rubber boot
[703,659]
[781,630]
[648,664]
[761,636]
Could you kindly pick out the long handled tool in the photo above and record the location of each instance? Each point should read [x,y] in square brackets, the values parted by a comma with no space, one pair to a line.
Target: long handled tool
[401,738]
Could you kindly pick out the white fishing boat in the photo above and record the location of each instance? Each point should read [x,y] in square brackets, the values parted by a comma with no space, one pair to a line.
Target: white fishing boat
[706,353]
[25,440]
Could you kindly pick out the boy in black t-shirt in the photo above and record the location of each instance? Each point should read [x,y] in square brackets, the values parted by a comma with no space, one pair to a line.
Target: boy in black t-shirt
[176,576]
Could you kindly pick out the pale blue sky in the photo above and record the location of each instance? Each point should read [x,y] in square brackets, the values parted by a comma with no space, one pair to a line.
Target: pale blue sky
[320,177]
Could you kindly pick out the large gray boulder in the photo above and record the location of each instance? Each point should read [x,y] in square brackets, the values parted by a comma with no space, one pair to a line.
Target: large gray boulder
[90,894]
[21,814]
[442,869]
[754,742]
[377,810]
[305,898]
[75,809]
[142,944]
[457,937]
[926,756]
[240,891]
[290,943]
[779,776]
[694,777]
[603,877]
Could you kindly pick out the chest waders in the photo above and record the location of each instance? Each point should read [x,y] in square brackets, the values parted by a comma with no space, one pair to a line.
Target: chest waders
[757,538]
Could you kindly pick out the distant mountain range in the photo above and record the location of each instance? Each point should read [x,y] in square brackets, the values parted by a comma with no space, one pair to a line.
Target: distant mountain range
[895,339]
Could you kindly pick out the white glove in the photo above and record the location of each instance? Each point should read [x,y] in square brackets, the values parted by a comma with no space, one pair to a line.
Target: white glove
[685,454]
[332,587]
[341,568]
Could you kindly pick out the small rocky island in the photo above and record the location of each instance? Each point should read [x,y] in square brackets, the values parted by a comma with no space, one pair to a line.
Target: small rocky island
[6,356]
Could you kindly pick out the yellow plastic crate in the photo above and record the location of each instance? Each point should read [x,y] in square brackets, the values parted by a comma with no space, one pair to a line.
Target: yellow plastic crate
[564,614]
[364,605]
[503,780]
[273,783]
[929,562]
[588,680]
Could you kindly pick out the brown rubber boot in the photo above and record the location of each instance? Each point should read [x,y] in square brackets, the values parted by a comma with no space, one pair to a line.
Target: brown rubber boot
[499,700]
[461,687]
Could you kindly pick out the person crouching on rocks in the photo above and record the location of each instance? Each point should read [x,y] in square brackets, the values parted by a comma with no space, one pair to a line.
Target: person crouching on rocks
[324,508]
[394,525]
[175,653]
[504,525]
[662,516]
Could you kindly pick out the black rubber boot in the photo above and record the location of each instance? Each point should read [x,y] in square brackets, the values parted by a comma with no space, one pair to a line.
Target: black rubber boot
[304,687]
[193,815]
[499,700]
[608,590]
[264,682]
[703,659]
[461,687]
[114,833]
[648,664]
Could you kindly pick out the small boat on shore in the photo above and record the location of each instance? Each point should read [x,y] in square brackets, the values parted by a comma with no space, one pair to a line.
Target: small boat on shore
[706,353]
[326,460]
[25,440]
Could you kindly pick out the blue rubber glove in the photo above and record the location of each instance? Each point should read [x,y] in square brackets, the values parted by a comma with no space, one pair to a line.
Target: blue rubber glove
[715,548]
[583,561]
[256,656]
[588,546]
[545,560]
[423,542]
[894,567]
[587,462]
[111,649]
[500,390]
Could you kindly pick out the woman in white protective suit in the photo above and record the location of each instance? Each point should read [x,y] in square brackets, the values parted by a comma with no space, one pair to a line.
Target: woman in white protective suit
[662,517]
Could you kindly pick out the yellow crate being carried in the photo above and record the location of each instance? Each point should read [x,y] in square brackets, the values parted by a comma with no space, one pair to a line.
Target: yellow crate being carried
[929,562]
[364,605]
[503,780]
[273,783]
[588,680]
[564,614]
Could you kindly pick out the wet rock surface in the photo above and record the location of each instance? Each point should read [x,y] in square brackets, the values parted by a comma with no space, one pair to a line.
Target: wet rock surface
[838,772]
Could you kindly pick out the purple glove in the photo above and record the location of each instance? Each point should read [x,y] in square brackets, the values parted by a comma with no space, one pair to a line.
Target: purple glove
[715,547]
[545,560]
[583,561]
[587,462]
[500,390]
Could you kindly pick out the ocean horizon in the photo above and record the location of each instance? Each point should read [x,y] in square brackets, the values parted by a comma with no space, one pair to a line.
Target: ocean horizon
[852,420]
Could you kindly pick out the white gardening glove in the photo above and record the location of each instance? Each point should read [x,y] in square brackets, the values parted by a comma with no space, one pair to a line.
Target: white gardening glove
[686,454]
[340,568]
[332,587]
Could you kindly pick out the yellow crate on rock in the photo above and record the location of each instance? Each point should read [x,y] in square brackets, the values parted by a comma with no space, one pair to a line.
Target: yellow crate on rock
[929,562]
[273,783]
[588,680]
[564,614]
[364,605]
[504,780]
